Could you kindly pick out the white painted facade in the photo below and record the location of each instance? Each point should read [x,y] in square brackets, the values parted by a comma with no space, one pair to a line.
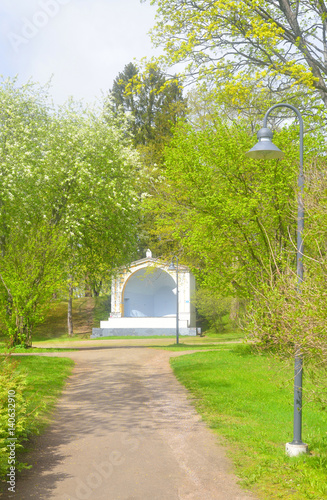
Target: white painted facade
[143,300]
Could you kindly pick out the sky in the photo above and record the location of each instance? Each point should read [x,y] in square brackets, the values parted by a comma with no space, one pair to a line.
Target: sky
[81,45]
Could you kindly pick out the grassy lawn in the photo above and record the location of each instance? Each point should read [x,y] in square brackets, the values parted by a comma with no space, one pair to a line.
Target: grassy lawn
[45,378]
[169,342]
[247,399]
[23,350]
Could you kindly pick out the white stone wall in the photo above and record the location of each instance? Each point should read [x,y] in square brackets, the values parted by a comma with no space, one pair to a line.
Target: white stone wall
[186,285]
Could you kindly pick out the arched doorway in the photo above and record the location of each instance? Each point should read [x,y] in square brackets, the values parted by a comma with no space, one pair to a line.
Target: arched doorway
[150,293]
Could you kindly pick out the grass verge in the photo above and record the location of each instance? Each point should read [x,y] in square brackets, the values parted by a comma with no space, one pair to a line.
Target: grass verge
[44,379]
[189,347]
[184,339]
[22,350]
[247,400]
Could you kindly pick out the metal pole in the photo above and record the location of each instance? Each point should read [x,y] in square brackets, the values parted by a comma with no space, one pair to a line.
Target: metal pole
[177,304]
[298,362]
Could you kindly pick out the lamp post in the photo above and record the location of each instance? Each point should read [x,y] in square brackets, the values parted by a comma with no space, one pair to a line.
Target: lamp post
[173,268]
[267,150]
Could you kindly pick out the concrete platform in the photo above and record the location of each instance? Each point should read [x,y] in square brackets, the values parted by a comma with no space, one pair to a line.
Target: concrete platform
[143,326]
[139,332]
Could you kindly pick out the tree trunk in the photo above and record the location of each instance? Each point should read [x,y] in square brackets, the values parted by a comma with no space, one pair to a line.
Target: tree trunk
[88,290]
[234,309]
[97,288]
[70,310]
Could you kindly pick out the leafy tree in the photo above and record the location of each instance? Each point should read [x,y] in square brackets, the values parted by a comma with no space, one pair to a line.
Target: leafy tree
[27,241]
[96,209]
[233,220]
[68,202]
[249,45]
[213,308]
[153,101]
[31,271]
[230,216]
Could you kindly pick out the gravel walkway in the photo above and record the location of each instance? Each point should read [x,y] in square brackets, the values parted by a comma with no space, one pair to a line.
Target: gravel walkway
[124,429]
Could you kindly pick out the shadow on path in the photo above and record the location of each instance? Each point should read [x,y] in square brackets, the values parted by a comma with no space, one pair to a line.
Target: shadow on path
[124,429]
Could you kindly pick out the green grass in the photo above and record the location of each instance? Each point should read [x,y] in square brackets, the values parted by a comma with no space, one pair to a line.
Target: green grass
[185,341]
[45,378]
[66,338]
[22,350]
[87,314]
[189,347]
[248,400]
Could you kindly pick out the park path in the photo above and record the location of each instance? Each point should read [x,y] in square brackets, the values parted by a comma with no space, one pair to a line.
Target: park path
[124,429]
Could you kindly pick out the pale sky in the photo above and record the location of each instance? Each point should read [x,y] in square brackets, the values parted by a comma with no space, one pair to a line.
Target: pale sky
[81,44]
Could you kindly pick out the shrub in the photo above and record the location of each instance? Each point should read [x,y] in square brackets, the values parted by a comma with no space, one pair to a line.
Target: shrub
[286,319]
[13,411]
[218,311]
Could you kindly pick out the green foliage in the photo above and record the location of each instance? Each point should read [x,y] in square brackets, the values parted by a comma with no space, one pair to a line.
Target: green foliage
[68,202]
[37,382]
[214,309]
[30,273]
[12,385]
[230,216]
[283,317]
[234,222]
[153,101]
[244,48]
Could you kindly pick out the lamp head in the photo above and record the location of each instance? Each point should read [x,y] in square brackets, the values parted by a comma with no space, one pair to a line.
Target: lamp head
[265,148]
[172,266]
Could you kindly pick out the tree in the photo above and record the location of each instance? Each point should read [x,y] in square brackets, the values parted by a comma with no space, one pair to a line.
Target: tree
[213,309]
[31,271]
[248,45]
[230,216]
[68,202]
[233,221]
[97,208]
[154,102]
[28,243]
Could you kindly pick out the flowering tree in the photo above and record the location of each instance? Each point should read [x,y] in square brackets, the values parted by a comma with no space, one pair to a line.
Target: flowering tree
[68,203]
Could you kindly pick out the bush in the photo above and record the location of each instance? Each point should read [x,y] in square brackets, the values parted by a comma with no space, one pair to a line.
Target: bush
[286,319]
[217,311]
[13,412]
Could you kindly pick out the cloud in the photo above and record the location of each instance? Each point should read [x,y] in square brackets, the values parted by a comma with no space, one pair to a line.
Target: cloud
[84,44]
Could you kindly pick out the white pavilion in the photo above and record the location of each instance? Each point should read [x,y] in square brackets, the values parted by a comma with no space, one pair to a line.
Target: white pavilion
[144,301]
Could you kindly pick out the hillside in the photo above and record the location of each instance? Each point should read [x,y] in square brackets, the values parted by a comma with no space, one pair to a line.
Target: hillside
[87,313]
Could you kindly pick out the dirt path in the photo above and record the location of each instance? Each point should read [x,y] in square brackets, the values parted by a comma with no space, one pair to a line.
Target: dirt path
[125,430]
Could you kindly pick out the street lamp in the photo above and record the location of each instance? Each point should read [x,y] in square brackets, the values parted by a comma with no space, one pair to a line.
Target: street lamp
[267,150]
[173,268]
